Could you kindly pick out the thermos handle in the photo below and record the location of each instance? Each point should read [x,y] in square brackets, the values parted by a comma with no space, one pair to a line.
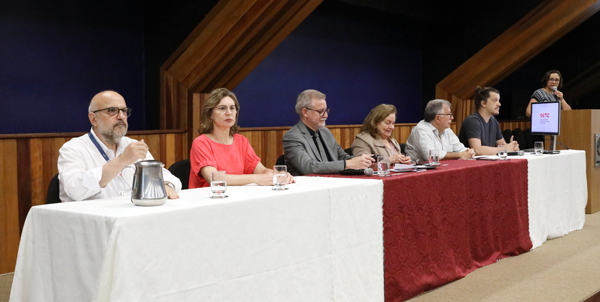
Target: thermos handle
[133,183]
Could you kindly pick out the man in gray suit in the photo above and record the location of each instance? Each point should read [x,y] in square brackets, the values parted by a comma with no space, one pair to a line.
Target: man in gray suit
[309,147]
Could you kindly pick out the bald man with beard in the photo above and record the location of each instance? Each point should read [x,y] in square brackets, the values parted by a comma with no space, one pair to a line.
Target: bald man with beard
[91,166]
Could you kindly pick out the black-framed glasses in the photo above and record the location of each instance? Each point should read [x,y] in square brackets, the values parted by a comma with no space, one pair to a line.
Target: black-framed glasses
[320,112]
[112,111]
[445,114]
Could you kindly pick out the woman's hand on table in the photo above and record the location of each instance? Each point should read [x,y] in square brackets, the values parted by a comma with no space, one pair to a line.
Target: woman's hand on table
[400,158]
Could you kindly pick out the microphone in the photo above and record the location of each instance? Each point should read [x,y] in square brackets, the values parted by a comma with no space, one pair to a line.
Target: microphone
[516,153]
[367,172]
[554,92]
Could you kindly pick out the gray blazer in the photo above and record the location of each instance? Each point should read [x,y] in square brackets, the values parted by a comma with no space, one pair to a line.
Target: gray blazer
[302,156]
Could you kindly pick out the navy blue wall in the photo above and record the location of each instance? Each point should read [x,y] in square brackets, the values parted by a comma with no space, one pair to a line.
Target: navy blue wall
[55,55]
[358,65]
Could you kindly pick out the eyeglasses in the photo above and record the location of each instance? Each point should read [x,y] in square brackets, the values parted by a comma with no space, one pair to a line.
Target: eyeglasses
[444,114]
[112,111]
[320,112]
[224,108]
[554,80]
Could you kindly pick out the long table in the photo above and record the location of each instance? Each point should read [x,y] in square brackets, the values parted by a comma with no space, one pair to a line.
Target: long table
[557,194]
[321,240]
[441,224]
[318,241]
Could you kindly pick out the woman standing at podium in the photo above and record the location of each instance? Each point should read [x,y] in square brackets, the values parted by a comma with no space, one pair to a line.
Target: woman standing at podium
[551,82]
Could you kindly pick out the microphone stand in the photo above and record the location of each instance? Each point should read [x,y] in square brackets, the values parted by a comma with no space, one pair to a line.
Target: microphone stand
[552,142]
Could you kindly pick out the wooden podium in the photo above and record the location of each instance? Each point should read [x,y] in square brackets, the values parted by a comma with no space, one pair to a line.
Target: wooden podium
[577,131]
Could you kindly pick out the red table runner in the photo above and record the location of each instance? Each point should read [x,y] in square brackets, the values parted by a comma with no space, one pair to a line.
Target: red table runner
[440,225]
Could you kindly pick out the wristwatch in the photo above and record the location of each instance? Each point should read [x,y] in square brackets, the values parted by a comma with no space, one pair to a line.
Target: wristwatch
[170,184]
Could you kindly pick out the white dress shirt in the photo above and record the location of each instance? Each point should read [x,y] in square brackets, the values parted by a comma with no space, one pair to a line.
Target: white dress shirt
[80,170]
[425,137]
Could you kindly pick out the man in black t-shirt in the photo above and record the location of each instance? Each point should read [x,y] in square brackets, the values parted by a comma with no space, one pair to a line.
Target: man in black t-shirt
[480,130]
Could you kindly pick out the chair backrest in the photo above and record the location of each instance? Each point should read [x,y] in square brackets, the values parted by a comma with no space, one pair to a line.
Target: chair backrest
[181,170]
[280,161]
[528,139]
[507,134]
[348,150]
[53,195]
[403,148]
[519,136]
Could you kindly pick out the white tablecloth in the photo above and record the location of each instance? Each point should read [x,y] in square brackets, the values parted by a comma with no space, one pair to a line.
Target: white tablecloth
[557,194]
[321,240]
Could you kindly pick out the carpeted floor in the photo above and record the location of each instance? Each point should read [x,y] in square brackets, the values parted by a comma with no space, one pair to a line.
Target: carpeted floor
[562,269]
[5,283]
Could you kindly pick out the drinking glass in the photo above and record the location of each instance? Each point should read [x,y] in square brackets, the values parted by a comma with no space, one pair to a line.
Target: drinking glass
[434,157]
[502,152]
[383,166]
[538,147]
[375,165]
[279,177]
[218,184]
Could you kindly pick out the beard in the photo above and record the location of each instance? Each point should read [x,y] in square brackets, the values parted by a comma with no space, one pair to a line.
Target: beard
[115,134]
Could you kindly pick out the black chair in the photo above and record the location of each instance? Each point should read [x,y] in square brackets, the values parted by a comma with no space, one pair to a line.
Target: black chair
[348,150]
[528,139]
[53,195]
[280,161]
[403,148]
[181,169]
[507,134]
[519,136]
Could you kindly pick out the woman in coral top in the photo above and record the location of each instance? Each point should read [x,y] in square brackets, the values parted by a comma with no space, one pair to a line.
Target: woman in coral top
[221,148]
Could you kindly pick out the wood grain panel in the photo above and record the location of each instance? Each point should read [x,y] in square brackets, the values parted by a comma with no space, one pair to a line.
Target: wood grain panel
[224,48]
[577,131]
[221,20]
[49,159]
[9,207]
[273,33]
[38,191]
[533,33]
[194,113]
[249,23]
[169,150]
[24,177]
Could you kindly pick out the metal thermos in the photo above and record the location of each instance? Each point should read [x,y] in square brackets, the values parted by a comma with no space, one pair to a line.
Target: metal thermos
[148,185]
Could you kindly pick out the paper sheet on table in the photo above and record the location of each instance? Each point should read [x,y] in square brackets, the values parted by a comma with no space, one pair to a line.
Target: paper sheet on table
[404,168]
[487,157]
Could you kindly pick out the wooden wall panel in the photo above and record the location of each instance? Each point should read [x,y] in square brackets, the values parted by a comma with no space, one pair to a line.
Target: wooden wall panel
[9,205]
[38,192]
[577,131]
[24,179]
[223,49]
